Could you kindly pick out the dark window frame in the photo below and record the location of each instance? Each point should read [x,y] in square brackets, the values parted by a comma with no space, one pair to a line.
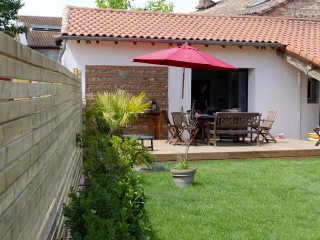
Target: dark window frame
[313,90]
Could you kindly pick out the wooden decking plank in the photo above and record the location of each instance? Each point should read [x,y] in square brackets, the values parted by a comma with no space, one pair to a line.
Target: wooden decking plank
[285,148]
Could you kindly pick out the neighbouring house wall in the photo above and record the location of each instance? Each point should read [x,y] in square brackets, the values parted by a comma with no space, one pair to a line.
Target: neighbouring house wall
[50,53]
[40,114]
[272,84]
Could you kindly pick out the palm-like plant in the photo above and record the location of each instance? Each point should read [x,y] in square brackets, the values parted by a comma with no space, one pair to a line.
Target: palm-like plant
[119,108]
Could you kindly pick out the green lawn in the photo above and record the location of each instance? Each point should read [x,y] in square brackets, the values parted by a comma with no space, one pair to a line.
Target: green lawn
[251,199]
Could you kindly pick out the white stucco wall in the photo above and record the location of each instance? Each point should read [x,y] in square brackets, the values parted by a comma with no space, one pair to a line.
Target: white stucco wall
[309,111]
[273,83]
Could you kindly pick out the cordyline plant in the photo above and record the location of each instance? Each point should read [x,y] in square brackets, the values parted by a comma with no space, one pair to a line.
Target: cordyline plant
[114,110]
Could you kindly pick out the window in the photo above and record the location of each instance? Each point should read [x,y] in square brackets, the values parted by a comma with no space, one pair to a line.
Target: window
[226,89]
[313,90]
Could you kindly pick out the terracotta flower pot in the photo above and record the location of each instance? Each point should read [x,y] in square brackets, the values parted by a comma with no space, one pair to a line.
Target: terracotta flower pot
[183,178]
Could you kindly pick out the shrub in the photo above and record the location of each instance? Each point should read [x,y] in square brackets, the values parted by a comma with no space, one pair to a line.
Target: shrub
[112,111]
[108,209]
[112,204]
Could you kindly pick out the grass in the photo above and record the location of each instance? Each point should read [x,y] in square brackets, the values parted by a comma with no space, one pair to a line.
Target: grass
[251,199]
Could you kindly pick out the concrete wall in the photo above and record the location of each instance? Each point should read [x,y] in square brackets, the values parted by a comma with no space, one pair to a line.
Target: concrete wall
[40,114]
[273,83]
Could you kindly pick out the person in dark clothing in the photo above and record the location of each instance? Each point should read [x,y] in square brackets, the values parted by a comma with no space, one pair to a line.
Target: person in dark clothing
[221,104]
[201,100]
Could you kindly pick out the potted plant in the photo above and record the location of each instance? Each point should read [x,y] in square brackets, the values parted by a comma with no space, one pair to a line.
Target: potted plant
[182,174]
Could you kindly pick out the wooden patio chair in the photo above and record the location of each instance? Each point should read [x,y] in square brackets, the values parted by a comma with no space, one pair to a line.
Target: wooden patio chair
[171,128]
[266,125]
[182,124]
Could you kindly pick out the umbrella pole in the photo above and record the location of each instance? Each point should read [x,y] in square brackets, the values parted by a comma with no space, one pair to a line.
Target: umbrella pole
[182,89]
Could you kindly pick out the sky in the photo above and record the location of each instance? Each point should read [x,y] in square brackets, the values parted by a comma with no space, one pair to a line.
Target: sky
[54,8]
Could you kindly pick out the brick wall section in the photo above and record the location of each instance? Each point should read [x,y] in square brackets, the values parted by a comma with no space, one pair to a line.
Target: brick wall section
[134,79]
[40,114]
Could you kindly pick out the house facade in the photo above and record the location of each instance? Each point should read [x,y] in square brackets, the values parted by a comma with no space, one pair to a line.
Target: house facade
[42,34]
[278,60]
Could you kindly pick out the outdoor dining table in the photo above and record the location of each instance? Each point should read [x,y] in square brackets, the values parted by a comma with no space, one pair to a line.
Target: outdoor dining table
[202,120]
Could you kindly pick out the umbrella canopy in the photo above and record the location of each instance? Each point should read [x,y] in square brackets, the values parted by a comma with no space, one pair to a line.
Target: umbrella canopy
[184,56]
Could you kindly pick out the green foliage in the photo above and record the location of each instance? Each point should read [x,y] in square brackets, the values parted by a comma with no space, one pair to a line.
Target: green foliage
[108,209]
[114,4]
[182,162]
[111,206]
[159,6]
[152,5]
[8,13]
[131,151]
[114,110]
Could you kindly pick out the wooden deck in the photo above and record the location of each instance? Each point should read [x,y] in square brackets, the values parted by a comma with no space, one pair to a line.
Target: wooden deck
[285,148]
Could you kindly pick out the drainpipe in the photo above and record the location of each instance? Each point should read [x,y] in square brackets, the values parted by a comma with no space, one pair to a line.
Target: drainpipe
[64,43]
[300,103]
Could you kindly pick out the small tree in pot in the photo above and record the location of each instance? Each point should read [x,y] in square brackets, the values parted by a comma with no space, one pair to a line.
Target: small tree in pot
[182,174]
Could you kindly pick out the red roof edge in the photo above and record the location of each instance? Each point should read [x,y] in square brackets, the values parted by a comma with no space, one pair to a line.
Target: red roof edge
[315,60]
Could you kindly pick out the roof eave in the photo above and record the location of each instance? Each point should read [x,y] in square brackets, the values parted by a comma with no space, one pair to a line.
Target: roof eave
[173,41]
[43,47]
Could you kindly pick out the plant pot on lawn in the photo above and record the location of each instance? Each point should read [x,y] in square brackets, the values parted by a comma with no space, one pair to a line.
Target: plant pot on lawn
[183,178]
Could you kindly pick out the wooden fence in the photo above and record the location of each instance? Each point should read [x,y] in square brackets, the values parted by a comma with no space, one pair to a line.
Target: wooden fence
[40,114]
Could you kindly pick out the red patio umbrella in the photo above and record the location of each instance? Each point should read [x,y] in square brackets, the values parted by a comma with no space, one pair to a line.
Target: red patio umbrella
[184,56]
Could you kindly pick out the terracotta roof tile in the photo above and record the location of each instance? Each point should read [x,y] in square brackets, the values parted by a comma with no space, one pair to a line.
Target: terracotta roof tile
[42,39]
[296,34]
[49,21]
[316,60]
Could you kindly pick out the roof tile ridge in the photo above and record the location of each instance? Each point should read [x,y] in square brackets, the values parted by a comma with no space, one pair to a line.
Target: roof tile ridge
[233,16]
[190,14]
[126,11]
[65,20]
[37,16]
[259,17]
[297,19]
